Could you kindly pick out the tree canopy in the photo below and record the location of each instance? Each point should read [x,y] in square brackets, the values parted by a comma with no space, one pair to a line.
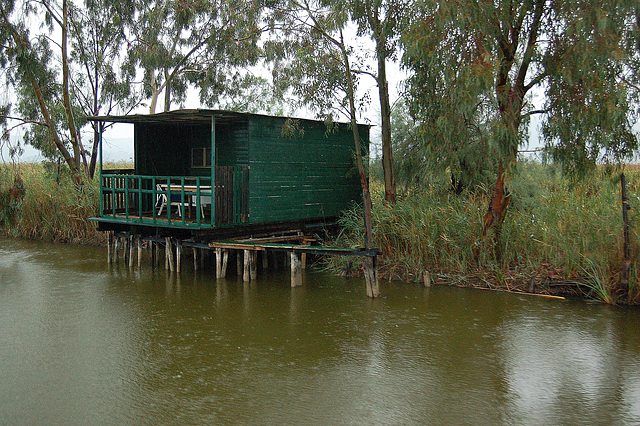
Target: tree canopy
[477,64]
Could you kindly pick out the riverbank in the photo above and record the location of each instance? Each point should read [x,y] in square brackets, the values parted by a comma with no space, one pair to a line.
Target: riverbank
[558,237]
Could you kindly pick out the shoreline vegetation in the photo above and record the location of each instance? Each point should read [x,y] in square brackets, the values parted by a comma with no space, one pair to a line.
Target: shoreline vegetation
[560,238]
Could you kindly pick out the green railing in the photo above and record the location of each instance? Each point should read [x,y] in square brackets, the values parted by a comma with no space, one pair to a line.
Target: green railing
[182,201]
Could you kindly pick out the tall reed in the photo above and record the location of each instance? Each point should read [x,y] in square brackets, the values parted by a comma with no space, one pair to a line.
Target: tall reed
[554,231]
[51,208]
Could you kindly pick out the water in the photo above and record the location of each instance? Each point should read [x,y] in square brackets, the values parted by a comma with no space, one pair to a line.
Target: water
[85,343]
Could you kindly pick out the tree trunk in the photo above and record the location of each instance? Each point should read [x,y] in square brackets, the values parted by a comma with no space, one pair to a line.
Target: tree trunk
[387,149]
[495,215]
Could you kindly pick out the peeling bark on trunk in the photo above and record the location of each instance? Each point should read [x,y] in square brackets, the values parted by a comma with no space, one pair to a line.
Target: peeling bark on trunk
[495,215]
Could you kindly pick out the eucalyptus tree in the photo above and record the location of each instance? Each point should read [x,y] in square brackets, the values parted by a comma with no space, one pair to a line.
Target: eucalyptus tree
[44,90]
[315,60]
[382,21]
[202,42]
[97,38]
[486,58]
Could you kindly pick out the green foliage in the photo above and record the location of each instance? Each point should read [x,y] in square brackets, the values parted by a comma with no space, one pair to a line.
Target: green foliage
[204,43]
[557,232]
[49,206]
[419,156]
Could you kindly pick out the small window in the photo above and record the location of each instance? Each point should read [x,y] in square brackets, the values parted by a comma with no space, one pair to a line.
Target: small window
[201,157]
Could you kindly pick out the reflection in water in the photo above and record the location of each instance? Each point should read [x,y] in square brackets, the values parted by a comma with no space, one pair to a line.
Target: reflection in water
[82,342]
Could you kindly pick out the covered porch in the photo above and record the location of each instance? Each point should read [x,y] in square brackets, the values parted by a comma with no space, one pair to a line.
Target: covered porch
[183,201]
[190,171]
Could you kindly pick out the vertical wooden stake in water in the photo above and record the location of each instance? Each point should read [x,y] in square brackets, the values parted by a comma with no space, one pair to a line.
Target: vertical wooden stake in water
[218,262]
[253,265]
[303,256]
[238,262]
[139,251]
[265,260]
[169,255]
[625,220]
[125,251]
[296,270]
[247,260]
[131,249]
[109,246]
[426,278]
[178,256]
[195,259]
[116,249]
[225,261]
[371,276]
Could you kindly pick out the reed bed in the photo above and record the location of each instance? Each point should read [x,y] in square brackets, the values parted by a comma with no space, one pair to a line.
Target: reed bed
[557,236]
[46,205]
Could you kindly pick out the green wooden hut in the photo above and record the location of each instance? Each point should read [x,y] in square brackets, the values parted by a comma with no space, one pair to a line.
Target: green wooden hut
[209,170]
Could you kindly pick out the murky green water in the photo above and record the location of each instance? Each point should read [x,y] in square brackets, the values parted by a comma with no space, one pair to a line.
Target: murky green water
[85,343]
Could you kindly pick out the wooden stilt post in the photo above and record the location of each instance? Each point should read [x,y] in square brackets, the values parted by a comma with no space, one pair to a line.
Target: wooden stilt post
[296,270]
[139,251]
[195,259]
[426,278]
[225,260]
[109,246]
[125,250]
[117,249]
[303,256]
[265,260]
[153,254]
[131,249]
[178,256]
[253,265]
[238,263]
[169,254]
[247,260]
[218,262]
[371,276]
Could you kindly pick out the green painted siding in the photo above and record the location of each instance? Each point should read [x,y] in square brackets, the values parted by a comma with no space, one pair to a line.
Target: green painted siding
[232,144]
[307,176]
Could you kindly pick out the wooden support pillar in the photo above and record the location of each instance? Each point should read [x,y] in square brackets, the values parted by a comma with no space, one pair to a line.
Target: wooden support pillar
[154,253]
[195,259]
[303,256]
[238,263]
[225,261]
[253,264]
[109,247]
[222,259]
[296,270]
[178,256]
[371,276]
[265,260]
[169,264]
[247,260]
[139,251]
[131,249]
[125,250]
[426,278]
[116,248]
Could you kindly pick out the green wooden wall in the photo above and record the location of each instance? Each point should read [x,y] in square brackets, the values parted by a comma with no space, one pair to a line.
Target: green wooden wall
[310,175]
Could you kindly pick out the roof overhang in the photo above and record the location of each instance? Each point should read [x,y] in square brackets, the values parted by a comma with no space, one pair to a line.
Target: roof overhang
[183,116]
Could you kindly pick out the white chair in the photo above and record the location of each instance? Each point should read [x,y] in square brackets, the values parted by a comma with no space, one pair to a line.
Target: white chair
[161,197]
